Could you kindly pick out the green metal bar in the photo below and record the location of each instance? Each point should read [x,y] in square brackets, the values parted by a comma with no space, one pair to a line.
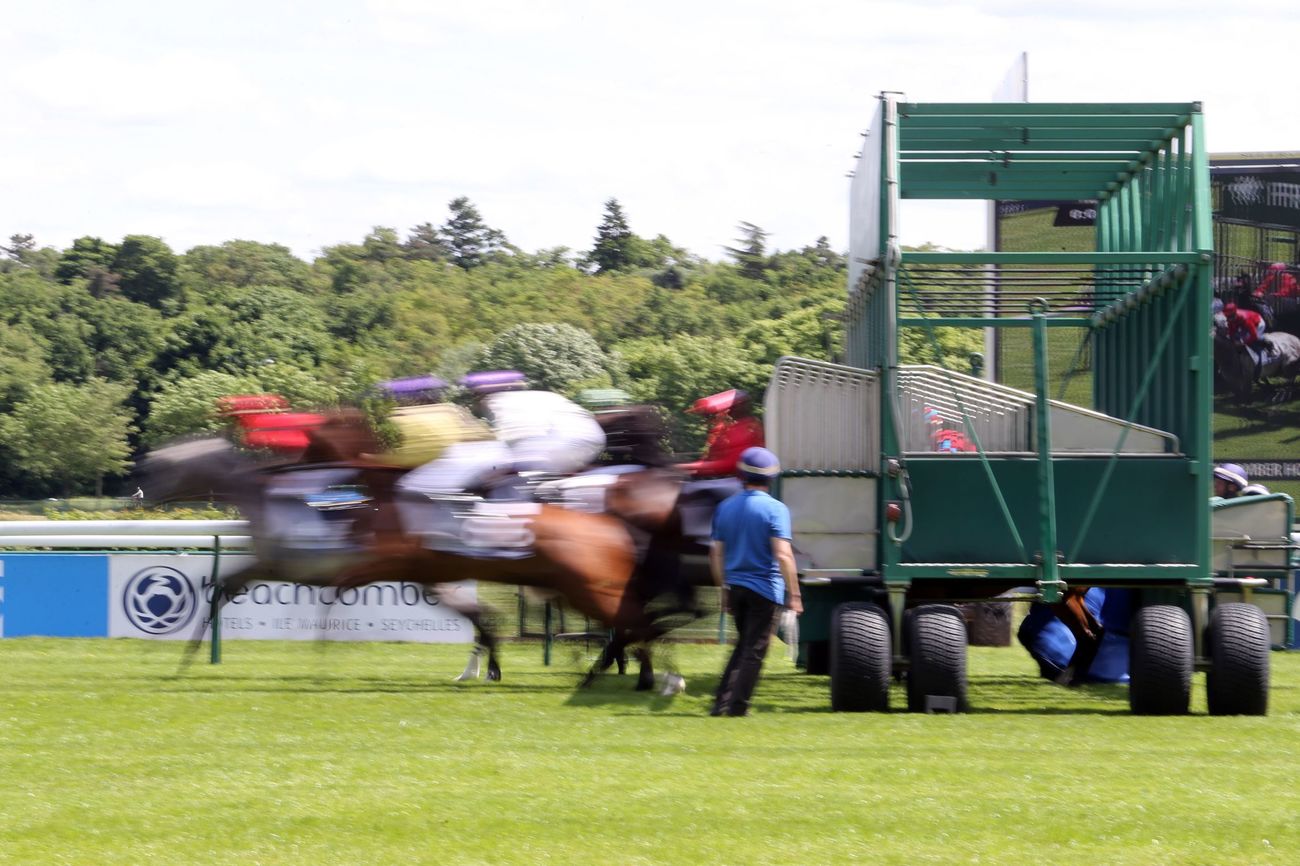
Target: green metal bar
[1172,113]
[214,645]
[1086,524]
[921,192]
[1117,161]
[1124,257]
[991,322]
[948,570]
[1202,363]
[1050,586]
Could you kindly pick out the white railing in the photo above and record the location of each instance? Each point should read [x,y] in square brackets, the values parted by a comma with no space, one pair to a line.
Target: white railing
[1003,417]
[820,416]
[135,534]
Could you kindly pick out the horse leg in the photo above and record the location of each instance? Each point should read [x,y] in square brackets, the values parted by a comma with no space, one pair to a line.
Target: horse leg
[645,681]
[1087,632]
[615,651]
[487,639]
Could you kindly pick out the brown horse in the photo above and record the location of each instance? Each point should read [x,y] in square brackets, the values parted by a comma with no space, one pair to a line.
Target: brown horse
[588,559]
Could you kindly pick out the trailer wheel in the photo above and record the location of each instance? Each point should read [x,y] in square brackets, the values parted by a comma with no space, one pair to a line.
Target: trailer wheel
[1238,643]
[1160,661]
[936,680]
[860,658]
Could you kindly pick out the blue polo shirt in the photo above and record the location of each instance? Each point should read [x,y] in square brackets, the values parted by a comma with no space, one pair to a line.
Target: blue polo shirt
[746,523]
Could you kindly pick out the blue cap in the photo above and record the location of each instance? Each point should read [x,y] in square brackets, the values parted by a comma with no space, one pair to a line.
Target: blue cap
[758,465]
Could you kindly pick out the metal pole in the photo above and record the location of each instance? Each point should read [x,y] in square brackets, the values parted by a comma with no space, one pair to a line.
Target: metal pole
[215,643]
[1050,584]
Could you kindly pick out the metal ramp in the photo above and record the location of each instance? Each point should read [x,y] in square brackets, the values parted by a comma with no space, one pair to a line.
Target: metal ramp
[1004,420]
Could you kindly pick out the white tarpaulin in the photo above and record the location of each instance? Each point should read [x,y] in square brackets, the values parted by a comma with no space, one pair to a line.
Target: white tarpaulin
[167,596]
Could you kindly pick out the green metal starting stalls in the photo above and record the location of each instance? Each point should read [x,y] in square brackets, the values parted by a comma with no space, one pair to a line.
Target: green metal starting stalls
[914,482]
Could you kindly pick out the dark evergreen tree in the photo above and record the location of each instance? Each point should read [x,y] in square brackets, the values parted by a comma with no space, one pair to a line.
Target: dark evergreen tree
[615,243]
[425,242]
[470,241]
[751,255]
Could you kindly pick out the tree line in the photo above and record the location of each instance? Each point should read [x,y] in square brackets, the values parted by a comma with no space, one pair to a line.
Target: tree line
[109,347]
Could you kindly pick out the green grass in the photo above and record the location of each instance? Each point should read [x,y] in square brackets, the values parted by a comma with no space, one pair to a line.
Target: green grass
[367,753]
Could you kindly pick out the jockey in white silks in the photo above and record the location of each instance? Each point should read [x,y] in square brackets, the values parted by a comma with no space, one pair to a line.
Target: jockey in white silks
[535,431]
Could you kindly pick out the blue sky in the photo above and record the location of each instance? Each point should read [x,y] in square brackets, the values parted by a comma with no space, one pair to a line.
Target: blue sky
[307,123]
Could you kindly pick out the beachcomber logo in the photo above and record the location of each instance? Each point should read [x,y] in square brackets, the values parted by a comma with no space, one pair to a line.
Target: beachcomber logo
[159,600]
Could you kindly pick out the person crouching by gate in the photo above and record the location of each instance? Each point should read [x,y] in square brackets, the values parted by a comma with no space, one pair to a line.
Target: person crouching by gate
[752,561]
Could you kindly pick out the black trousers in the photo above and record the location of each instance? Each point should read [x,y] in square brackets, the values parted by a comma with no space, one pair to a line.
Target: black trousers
[754,616]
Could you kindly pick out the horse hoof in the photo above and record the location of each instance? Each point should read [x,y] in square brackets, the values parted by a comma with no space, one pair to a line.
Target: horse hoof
[494,674]
[674,684]
[643,686]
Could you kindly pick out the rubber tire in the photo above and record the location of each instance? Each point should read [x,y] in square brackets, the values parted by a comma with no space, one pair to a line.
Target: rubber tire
[861,658]
[1238,642]
[1161,656]
[936,641]
[817,659]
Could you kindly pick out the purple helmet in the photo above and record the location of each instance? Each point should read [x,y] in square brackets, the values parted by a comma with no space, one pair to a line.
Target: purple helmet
[492,381]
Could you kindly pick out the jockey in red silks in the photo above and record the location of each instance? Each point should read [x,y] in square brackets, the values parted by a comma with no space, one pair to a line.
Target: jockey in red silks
[1244,326]
[1278,282]
[944,439]
[733,430]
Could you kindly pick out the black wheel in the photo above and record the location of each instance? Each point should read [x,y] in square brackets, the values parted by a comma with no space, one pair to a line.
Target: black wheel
[817,657]
[860,658]
[1237,642]
[1160,661]
[936,680]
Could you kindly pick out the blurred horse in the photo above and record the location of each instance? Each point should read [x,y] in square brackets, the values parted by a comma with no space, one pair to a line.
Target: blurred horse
[1241,367]
[591,560]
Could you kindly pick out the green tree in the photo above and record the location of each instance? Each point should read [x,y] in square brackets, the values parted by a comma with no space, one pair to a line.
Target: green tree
[555,357]
[616,245]
[677,372]
[187,405]
[471,241]
[87,255]
[425,242]
[147,270]
[751,255]
[209,270]
[70,435]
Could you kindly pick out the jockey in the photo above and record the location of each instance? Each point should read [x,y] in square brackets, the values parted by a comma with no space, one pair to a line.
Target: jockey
[1278,282]
[945,439]
[535,431]
[427,427]
[734,429]
[1244,326]
[1230,480]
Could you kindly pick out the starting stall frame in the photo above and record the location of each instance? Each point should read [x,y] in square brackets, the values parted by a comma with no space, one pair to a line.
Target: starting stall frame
[904,479]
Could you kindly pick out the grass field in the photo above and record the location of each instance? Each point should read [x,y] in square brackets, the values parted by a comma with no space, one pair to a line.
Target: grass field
[367,753]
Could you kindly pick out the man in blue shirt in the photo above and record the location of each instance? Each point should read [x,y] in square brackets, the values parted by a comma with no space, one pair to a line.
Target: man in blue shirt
[751,559]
